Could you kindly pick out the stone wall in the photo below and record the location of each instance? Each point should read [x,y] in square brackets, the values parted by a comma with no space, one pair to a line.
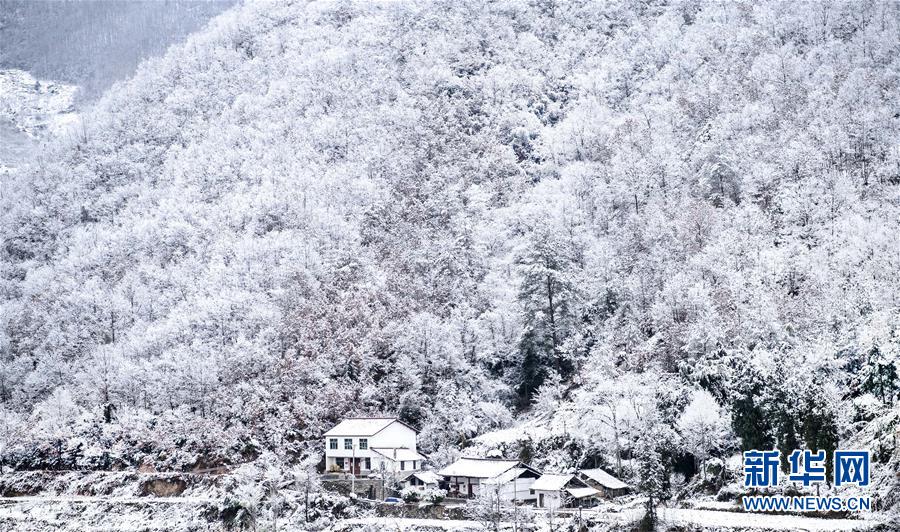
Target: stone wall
[415,511]
[366,488]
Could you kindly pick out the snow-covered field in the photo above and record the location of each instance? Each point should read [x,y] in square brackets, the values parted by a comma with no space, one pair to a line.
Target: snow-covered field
[710,519]
[195,513]
[719,520]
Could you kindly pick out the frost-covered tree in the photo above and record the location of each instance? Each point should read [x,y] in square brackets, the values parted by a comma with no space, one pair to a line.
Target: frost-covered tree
[433,210]
[704,428]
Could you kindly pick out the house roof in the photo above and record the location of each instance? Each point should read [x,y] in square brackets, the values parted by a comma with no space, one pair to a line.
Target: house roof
[506,476]
[363,426]
[604,479]
[428,477]
[400,453]
[551,482]
[580,493]
[478,467]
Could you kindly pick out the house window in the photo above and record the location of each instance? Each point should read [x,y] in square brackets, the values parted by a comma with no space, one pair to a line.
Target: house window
[368,464]
[363,444]
[348,444]
[332,443]
[340,462]
[402,465]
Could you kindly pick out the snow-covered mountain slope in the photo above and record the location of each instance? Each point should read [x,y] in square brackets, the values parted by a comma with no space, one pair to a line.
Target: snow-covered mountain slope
[31,110]
[674,227]
[35,107]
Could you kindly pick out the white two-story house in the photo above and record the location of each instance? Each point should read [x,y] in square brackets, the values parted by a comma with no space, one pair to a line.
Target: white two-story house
[366,445]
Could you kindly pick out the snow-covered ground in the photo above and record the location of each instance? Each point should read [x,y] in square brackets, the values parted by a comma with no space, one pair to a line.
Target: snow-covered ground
[76,499]
[188,513]
[711,519]
[399,523]
[718,520]
[40,514]
[36,107]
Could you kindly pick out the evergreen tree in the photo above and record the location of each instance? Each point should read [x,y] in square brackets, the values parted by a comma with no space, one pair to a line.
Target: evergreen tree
[879,377]
[549,298]
[652,472]
[750,421]
[818,424]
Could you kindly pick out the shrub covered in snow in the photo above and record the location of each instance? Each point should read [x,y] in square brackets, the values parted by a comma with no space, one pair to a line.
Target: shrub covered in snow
[410,494]
[434,496]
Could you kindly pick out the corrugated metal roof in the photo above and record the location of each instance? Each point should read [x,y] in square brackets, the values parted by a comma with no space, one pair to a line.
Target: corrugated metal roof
[604,479]
[551,482]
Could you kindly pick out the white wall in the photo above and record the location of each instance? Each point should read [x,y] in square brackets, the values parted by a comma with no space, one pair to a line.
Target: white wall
[422,488]
[347,453]
[551,498]
[395,435]
[518,490]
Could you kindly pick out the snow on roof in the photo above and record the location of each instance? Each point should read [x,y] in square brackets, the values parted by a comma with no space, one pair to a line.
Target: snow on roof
[580,493]
[362,426]
[604,479]
[478,467]
[428,477]
[551,482]
[506,476]
[400,453]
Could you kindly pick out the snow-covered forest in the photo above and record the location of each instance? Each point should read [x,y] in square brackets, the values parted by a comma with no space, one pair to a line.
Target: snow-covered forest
[634,234]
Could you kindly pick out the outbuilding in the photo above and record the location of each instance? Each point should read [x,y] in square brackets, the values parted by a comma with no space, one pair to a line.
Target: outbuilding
[608,485]
[423,480]
[563,491]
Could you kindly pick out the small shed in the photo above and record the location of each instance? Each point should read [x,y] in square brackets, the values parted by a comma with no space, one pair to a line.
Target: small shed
[559,491]
[608,485]
[423,480]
